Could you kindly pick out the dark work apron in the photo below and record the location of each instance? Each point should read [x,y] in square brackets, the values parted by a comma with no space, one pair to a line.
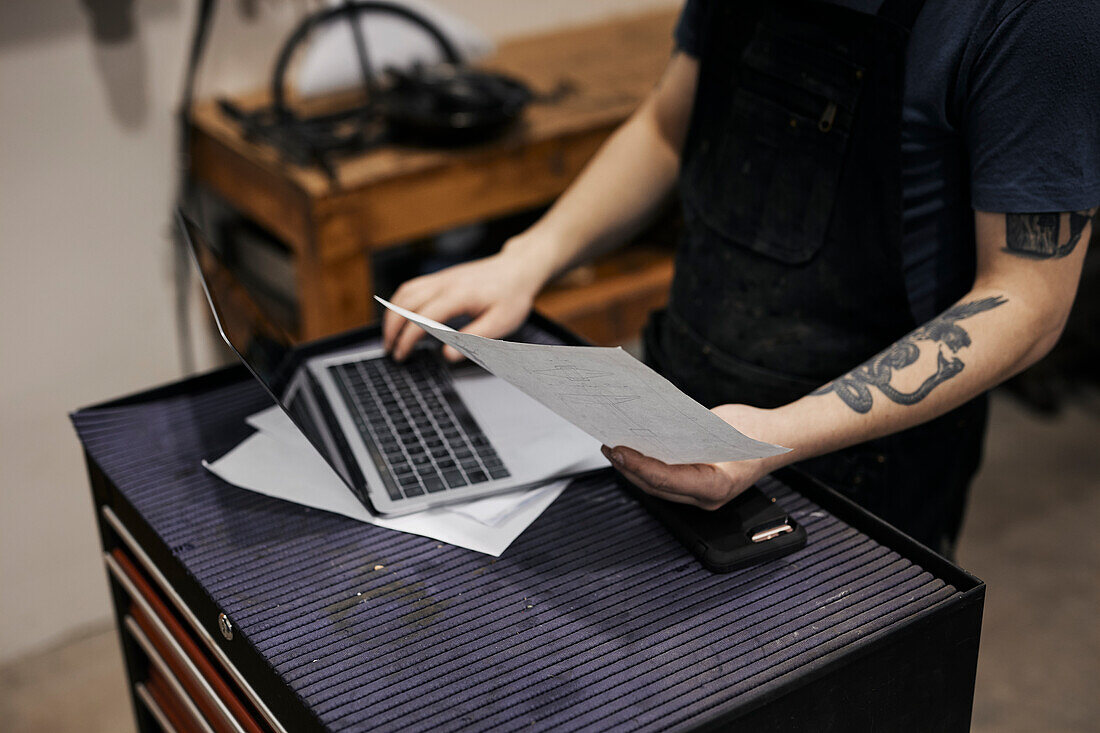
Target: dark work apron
[789,271]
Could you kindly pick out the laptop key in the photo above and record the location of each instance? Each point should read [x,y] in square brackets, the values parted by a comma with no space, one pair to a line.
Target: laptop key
[414,490]
[476,477]
[434,484]
[454,479]
[498,472]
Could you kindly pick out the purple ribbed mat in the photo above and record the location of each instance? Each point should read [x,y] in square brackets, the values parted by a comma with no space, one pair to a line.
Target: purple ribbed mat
[594,618]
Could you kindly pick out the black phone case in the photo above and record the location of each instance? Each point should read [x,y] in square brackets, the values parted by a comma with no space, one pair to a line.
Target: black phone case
[722,539]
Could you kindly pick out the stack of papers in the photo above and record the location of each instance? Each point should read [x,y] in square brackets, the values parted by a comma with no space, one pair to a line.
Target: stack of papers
[278,461]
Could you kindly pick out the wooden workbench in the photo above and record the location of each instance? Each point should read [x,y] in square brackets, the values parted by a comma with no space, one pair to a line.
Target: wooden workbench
[392,195]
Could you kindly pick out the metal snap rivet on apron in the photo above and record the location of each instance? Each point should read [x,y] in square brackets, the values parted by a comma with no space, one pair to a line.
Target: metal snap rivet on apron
[794,122]
[226,626]
[859,73]
[827,117]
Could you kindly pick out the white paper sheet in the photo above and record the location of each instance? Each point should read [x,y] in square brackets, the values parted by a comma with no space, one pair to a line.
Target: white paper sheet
[608,394]
[279,462]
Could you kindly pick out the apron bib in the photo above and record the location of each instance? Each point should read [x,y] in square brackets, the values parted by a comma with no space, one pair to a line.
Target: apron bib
[789,270]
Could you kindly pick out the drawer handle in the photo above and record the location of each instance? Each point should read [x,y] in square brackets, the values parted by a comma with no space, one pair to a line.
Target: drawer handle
[153,707]
[166,587]
[166,636]
[173,681]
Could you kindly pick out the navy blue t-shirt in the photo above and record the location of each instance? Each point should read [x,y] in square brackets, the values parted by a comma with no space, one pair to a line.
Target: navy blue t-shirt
[1001,113]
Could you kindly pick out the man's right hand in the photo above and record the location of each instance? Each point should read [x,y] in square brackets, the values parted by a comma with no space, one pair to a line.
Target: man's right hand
[610,201]
[497,292]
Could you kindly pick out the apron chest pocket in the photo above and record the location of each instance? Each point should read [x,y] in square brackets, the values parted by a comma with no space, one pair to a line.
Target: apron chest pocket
[766,159]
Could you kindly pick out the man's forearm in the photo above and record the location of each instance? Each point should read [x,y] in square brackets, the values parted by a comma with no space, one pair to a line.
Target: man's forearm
[1027,271]
[621,187]
[986,337]
[610,201]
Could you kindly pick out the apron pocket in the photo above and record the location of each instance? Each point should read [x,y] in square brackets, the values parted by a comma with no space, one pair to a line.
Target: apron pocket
[764,169]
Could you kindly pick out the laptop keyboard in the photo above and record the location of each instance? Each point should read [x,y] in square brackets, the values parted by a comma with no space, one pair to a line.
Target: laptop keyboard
[418,430]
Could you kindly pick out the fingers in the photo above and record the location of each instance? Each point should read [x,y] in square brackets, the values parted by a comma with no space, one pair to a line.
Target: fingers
[479,289]
[696,484]
[399,335]
[493,323]
[681,478]
[452,354]
[667,496]
[391,327]
[412,296]
[437,310]
[656,473]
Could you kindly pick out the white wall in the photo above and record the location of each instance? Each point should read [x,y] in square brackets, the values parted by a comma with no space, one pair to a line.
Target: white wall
[86,180]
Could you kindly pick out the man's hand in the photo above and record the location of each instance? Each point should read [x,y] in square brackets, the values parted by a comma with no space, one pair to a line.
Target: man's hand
[705,485]
[613,198]
[497,292]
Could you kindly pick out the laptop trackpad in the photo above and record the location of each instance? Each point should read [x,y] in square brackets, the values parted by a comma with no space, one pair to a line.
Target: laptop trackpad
[533,442]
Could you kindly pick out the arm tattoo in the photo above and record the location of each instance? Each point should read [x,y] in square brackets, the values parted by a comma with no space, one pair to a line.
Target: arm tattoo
[946,335]
[1036,235]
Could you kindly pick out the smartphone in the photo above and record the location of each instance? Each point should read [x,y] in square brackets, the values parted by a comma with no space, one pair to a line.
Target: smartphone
[752,528]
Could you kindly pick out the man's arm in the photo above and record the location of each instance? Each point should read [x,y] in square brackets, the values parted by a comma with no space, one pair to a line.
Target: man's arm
[616,194]
[1027,273]
[611,200]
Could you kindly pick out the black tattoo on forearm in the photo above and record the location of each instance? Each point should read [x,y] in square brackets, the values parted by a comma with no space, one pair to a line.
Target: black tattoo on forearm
[1037,235]
[946,335]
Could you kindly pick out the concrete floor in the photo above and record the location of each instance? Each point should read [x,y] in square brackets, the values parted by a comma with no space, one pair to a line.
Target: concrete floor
[1031,535]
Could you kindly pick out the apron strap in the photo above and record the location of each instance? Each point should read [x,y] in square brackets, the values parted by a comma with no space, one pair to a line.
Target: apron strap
[901,12]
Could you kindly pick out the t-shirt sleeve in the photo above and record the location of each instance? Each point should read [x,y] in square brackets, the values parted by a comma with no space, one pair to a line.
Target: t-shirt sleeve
[687,34]
[1032,110]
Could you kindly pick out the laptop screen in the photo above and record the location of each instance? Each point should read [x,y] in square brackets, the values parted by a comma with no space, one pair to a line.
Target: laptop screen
[262,345]
[267,350]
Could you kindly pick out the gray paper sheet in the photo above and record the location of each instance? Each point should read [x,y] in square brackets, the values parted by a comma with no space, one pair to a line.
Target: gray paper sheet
[608,394]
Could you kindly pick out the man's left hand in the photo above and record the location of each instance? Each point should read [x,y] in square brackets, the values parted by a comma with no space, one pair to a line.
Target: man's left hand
[705,485]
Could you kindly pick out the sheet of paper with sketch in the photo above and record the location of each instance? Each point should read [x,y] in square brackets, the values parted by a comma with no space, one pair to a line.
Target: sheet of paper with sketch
[608,394]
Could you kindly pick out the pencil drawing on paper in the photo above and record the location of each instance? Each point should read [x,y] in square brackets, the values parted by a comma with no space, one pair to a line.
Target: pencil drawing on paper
[608,394]
[572,373]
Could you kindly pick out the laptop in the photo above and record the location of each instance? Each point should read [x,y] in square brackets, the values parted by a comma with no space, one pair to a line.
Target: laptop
[403,437]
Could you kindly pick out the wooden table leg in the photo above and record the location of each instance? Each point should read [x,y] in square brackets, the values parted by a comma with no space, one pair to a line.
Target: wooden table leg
[335,293]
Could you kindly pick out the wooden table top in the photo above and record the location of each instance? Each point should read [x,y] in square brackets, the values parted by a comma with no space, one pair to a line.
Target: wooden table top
[608,68]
